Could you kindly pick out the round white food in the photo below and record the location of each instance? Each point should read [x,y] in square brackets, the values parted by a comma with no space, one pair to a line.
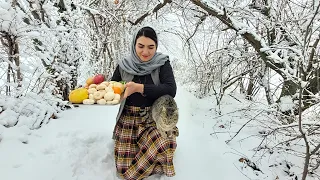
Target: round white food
[105,83]
[88,101]
[111,85]
[92,90]
[91,96]
[92,86]
[109,102]
[116,97]
[97,95]
[102,101]
[109,96]
[115,101]
[101,87]
[109,89]
[103,91]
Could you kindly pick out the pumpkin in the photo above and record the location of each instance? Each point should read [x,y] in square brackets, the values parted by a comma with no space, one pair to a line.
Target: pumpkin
[78,95]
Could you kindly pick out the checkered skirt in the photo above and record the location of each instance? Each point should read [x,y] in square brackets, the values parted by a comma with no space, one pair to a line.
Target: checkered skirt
[139,150]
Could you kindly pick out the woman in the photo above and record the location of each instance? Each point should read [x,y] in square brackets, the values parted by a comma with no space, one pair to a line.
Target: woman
[139,150]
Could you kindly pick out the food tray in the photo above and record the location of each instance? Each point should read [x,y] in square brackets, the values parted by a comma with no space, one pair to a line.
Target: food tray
[80,104]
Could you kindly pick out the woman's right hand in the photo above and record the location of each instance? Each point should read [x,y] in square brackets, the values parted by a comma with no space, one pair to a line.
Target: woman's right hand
[132,87]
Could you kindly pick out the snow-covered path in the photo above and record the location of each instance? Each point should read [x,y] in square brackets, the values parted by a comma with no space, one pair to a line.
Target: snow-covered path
[78,145]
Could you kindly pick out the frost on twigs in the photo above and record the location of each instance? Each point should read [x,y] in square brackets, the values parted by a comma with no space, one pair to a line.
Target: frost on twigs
[32,110]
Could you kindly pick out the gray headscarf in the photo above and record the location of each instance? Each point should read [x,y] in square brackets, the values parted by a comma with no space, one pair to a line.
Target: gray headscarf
[133,65]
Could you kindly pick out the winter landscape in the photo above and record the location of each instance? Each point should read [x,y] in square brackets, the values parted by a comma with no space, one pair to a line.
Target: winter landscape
[247,76]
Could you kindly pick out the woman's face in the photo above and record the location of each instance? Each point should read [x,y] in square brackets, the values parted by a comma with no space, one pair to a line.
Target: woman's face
[145,48]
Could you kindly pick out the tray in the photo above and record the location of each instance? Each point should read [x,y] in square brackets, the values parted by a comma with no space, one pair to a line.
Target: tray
[80,104]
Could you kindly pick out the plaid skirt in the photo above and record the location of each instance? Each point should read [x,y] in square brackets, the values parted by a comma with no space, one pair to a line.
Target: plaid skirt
[139,149]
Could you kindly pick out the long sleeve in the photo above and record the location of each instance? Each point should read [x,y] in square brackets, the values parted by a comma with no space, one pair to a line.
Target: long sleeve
[116,75]
[167,83]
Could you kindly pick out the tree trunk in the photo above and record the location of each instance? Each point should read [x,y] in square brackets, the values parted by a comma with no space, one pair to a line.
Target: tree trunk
[250,87]
[8,89]
[13,54]
[16,58]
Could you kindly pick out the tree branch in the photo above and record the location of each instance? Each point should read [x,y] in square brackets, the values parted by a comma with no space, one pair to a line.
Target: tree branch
[156,9]
[202,18]
[271,59]
[311,57]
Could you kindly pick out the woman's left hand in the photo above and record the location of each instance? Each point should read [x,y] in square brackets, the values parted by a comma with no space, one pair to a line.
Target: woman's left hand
[132,87]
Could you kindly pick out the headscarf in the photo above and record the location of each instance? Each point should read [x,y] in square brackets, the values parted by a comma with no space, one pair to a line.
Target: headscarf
[133,65]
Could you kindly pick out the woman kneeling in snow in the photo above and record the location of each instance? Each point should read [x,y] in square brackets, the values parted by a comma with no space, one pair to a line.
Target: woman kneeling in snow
[140,150]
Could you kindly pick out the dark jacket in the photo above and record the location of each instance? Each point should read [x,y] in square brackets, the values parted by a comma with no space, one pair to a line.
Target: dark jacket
[151,91]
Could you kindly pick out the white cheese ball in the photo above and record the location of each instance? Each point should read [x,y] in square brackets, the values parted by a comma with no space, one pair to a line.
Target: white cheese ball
[102,101]
[116,97]
[92,86]
[101,87]
[109,89]
[88,101]
[97,95]
[115,102]
[109,96]
[91,96]
[92,90]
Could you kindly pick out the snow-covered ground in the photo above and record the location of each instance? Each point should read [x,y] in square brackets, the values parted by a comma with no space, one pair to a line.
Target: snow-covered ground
[78,145]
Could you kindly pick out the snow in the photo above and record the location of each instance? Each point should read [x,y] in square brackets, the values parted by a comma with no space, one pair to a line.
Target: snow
[78,145]
[29,110]
[304,84]
[286,103]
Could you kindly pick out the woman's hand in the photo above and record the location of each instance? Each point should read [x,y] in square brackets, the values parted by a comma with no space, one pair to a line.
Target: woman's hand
[132,87]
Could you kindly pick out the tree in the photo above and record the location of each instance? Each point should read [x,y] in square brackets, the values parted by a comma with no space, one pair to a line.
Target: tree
[44,48]
[282,39]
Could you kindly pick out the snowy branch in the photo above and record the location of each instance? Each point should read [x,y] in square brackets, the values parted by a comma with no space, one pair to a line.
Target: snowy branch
[95,11]
[271,59]
[154,10]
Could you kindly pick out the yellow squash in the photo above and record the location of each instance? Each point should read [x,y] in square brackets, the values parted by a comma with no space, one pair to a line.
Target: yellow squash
[78,95]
